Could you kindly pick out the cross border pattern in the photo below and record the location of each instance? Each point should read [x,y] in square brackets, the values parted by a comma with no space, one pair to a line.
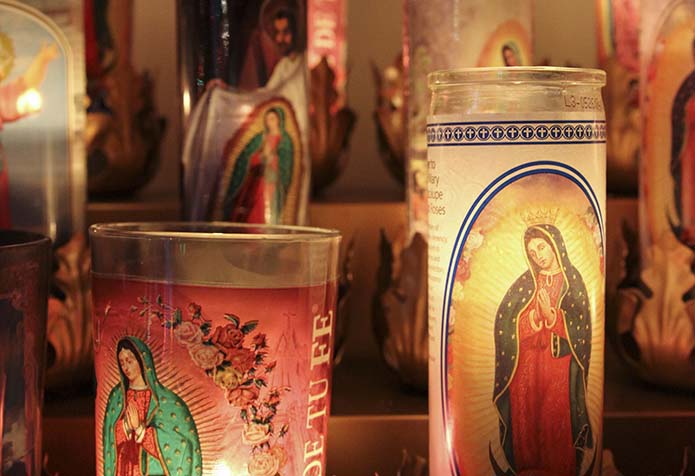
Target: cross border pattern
[484,133]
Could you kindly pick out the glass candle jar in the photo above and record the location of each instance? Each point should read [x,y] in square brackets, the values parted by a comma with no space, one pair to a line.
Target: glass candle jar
[655,304]
[617,41]
[245,102]
[446,34]
[25,265]
[516,186]
[42,116]
[212,348]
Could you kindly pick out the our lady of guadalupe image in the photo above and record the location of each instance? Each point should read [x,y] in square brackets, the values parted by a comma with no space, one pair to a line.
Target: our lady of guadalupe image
[147,428]
[683,155]
[668,102]
[262,173]
[524,333]
[543,348]
[656,302]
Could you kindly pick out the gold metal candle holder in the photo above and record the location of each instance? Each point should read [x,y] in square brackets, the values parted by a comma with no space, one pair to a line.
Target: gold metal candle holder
[400,308]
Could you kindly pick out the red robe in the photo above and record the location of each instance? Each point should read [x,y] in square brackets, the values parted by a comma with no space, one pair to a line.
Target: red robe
[259,62]
[257,193]
[540,394]
[128,445]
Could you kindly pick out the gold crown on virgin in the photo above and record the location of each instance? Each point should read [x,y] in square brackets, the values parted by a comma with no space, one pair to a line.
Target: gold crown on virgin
[540,216]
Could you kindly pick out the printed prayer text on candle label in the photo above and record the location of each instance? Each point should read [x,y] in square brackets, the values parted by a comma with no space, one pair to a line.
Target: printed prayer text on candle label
[317,404]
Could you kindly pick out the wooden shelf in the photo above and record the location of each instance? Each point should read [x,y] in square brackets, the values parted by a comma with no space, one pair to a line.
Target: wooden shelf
[155,208]
[626,397]
[374,418]
[167,207]
[369,388]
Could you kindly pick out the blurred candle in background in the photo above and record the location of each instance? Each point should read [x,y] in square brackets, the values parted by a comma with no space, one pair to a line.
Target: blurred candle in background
[617,27]
[25,267]
[42,78]
[449,34]
[657,295]
[244,90]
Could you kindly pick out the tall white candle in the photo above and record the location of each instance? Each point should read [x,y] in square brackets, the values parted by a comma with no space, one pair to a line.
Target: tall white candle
[517,185]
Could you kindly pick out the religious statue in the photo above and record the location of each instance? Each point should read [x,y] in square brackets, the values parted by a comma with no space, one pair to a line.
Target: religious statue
[18,99]
[123,131]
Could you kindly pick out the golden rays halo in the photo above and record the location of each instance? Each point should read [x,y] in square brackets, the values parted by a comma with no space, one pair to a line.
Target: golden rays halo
[202,405]
[671,62]
[494,266]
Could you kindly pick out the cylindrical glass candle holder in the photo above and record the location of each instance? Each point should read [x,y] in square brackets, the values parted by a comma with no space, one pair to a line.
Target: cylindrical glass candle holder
[25,260]
[655,302]
[212,348]
[245,102]
[42,172]
[447,34]
[516,161]
[617,41]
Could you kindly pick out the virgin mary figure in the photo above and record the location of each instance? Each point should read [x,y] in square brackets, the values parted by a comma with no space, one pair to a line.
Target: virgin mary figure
[683,157]
[262,174]
[542,349]
[148,429]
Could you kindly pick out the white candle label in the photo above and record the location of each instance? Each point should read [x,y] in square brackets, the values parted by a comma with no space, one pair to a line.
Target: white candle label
[516,292]
[197,380]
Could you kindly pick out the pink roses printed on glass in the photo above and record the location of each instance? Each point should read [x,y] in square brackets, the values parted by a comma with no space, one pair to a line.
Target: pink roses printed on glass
[236,359]
[205,357]
[188,333]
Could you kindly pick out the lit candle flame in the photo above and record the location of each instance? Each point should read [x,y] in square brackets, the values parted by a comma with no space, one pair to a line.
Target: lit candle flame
[186,103]
[245,109]
[29,102]
[222,469]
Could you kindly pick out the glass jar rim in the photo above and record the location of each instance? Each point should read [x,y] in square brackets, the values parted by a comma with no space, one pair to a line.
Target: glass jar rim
[19,239]
[211,231]
[545,75]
